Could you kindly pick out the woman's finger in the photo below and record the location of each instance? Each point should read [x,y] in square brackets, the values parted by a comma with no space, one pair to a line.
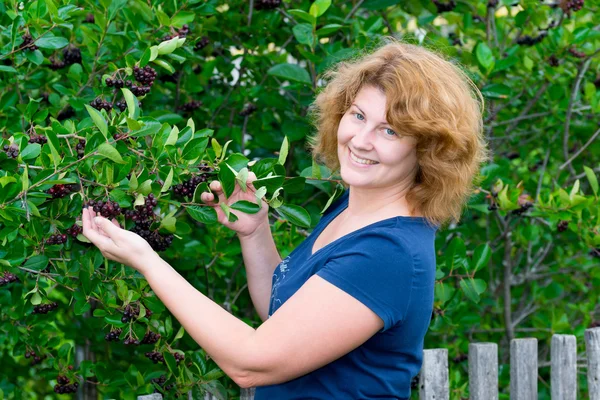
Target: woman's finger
[93,235]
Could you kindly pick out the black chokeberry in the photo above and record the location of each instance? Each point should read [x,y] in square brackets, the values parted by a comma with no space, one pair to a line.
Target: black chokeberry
[57,238]
[100,104]
[7,277]
[266,4]
[44,308]
[28,43]
[38,139]
[248,109]
[60,190]
[12,151]
[191,106]
[444,7]
[202,43]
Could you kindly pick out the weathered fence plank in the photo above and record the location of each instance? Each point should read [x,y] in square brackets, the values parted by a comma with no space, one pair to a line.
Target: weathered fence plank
[433,379]
[483,371]
[523,369]
[563,369]
[247,394]
[592,350]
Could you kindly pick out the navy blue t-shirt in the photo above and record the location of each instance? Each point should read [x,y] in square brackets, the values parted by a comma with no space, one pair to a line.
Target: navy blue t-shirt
[389,266]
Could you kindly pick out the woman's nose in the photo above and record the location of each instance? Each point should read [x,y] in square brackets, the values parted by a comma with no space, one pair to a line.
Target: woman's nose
[363,138]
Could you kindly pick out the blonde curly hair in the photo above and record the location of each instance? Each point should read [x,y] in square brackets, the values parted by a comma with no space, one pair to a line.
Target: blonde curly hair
[428,98]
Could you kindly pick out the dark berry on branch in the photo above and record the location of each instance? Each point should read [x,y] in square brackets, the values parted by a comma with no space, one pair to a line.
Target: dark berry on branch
[57,238]
[60,190]
[12,151]
[155,356]
[562,226]
[191,106]
[525,202]
[38,139]
[113,335]
[553,61]
[66,114]
[28,43]
[75,230]
[100,104]
[80,148]
[63,380]
[572,5]
[121,105]
[145,76]
[89,18]
[56,64]
[72,55]
[7,277]
[109,209]
[188,187]
[150,337]
[248,109]
[202,43]
[530,41]
[443,7]
[44,308]
[266,4]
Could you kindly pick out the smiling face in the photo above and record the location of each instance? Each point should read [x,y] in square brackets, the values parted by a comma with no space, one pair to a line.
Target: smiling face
[371,153]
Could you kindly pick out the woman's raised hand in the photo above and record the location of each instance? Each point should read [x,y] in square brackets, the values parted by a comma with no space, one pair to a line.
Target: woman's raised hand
[246,224]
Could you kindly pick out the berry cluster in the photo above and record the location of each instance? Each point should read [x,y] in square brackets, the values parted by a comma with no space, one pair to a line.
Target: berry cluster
[117,83]
[185,29]
[59,191]
[266,4]
[80,148]
[530,41]
[28,43]
[576,53]
[248,109]
[202,43]
[57,239]
[157,241]
[36,359]
[157,357]
[113,336]
[191,106]
[161,382]
[129,314]
[140,90]
[121,105]
[131,340]
[75,230]
[553,61]
[38,139]
[71,55]
[443,7]
[562,226]
[108,209]
[12,151]
[574,5]
[143,212]
[100,104]
[188,187]
[8,277]
[150,337]
[63,385]
[145,76]
[525,202]
[44,308]
[66,114]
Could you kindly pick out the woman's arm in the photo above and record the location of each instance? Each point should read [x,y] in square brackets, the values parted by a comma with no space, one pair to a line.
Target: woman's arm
[260,258]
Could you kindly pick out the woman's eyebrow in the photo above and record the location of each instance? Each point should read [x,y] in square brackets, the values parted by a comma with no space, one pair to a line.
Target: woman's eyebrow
[356,105]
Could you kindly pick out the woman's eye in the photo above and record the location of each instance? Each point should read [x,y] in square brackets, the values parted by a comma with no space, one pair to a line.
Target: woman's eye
[390,132]
[361,116]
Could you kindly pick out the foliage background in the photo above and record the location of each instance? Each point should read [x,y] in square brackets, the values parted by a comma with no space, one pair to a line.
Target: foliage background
[508,269]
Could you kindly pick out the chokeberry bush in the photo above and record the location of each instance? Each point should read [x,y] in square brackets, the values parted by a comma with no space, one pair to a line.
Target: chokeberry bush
[132,107]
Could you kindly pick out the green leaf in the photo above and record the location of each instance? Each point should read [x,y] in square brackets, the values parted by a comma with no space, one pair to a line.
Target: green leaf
[168,46]
[301,14]
[179,334]
[194,149]
[304,34]
[168,223]
[35,57]
[485,57]
[165,65]
[283,151]
[168,182]
[290,72]
[468,287]
[591,176]
[98,119]
[321,6]
[132,104]
[481,256]
[379,4]
[206,214]
[216,147]
[329,29]
[246,206]
[170,361]
[6,68]
[37,263]
[31,151]
[443,291]
[51,42]
[106,150]
[295,214]
[456,254]
[36,299]
[122,290]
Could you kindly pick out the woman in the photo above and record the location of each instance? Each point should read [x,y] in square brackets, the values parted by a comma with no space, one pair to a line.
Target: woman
[346,312]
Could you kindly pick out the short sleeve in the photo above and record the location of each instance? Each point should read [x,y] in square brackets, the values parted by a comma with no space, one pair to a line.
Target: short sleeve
[377,269]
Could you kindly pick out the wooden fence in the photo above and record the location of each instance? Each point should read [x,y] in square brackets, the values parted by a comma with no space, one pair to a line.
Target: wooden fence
[483,371]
